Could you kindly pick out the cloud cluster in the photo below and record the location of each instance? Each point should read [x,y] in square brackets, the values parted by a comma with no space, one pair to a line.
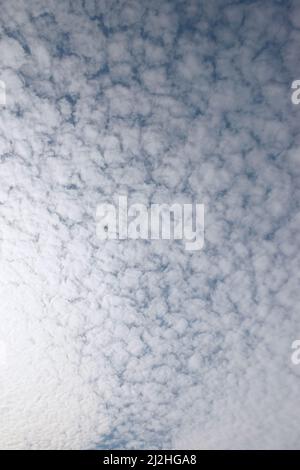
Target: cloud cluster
[141,344]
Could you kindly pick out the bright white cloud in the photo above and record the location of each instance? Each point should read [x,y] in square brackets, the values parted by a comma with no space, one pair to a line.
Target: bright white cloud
[142,344]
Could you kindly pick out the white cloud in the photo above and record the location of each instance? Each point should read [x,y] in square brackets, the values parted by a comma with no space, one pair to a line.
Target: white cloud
[142,341]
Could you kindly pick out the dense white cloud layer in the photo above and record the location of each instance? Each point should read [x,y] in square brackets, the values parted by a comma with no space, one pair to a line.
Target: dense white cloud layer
[135,344]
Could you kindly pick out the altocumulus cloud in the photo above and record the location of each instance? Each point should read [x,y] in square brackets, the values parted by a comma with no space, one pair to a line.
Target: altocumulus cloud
[138,344]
